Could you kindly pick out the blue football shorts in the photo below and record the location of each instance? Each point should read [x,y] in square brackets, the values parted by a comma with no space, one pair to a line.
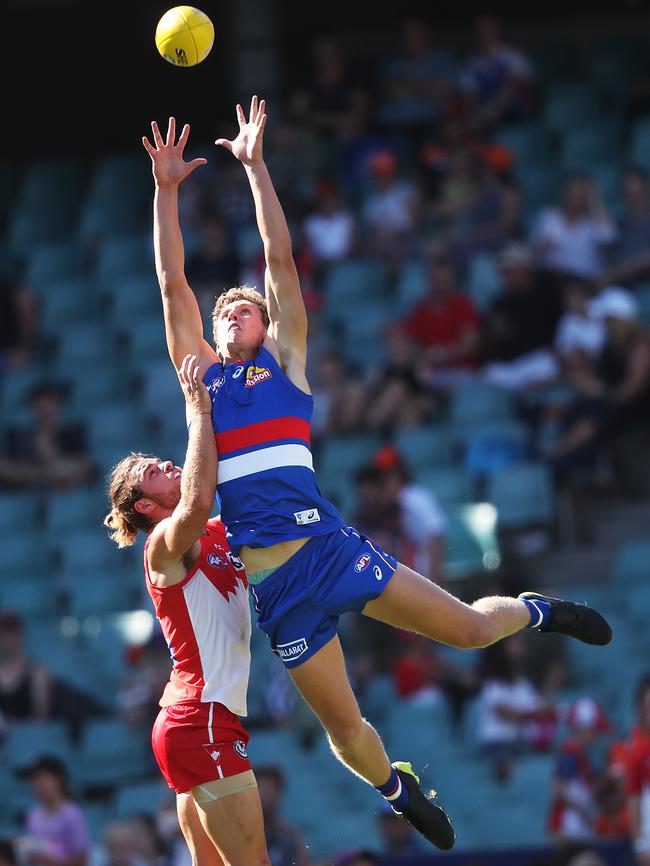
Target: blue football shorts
[299,604]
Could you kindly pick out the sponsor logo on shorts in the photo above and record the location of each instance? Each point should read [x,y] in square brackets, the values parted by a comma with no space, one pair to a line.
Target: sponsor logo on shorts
[292,650]
[362,563]
[378,574]
[309,515]
[217,560]
[255,375]
[240,747]
[236,561]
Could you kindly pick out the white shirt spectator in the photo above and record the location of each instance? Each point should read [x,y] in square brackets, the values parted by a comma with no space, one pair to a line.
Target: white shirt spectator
[579,332]
[571,247]
[519,695]
[422,520]
[330,236]
[391,210]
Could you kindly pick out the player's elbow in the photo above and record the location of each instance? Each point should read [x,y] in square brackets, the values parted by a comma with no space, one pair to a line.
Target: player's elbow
[279,254]
[201,506]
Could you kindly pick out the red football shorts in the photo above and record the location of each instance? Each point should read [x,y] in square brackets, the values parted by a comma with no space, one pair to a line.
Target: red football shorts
[195,743]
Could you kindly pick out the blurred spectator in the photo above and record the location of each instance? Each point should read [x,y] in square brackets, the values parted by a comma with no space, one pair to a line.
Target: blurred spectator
[285,844]
[491,216]
[49,451]
[498,81]
[357,857]
[416,82]
[569,239]
[338,397]
[525,315]
[587,858]
[330,229]
[138,695]
[150,845]
[397,392]
[632,763]
[513,716]
[579,327]
[423,520]
[390,209]
[334,102]
[398,837]
[18,324]
[629,258]
[446,324]
[25,684]
[9,855]
[119,845]
[573,806]
[215,265]
[231,196]
[56,828]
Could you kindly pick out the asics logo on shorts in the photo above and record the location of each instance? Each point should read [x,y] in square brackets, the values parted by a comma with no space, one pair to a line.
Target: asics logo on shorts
[378,574]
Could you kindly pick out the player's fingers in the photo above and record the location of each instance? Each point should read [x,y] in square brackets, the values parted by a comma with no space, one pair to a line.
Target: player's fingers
[171,132]
[182,373]
[260,112]
[262,123]
[240,115]
[253,113]
[195,163]
[223,142]
[182,138]
[195,376]
[148,146]
[157,137]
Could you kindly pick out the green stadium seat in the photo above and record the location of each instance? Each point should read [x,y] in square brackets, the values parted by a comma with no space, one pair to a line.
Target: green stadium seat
[63,301]
[350,282]
[523,494]
[477,402]
[598,141]
[22,557]
[56,261]
[83,550]
[104,219]
[425,447]
[451,485]
[17,511]
[28,597]
[343,455]
[121,175]
[30,738]
[135,297]
[45,181]
[412,284]
[144,337]
[125,257]
[99,385]
[84,344]
[468,552]
[112,753]
[568,104]
[113,424]
[99,595]
[75,509]
[29,225]
[639,142]
[529,141]
[484,282]
[631,562]
[135,798]
[17,383]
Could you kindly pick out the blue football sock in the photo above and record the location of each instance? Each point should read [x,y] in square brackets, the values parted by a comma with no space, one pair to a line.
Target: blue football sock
[394,792]
[540,613]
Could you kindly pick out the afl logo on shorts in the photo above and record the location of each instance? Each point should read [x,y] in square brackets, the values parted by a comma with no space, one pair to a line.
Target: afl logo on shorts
[362,563]
[240,747]
[217,561]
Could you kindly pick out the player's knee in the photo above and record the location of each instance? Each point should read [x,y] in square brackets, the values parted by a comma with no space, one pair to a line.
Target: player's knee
[345,733]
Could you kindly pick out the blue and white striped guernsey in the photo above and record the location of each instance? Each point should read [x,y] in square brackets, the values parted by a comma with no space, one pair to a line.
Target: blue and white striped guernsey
[266,481]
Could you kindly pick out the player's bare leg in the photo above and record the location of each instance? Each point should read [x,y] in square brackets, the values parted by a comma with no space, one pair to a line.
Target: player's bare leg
[323,682]
[412,602]
[202,848]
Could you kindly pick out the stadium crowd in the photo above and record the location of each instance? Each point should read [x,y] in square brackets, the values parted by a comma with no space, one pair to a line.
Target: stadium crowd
[407,171]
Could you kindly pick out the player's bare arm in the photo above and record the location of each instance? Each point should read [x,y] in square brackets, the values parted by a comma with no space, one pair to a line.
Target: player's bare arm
[287,314]
[174,541]
[183,324]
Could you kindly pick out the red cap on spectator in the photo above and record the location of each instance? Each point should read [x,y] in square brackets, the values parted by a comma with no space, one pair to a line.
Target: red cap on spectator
[387,457]
[383,163]
[585,714]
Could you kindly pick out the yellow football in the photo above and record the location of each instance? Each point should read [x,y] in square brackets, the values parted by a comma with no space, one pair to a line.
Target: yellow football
[184,36]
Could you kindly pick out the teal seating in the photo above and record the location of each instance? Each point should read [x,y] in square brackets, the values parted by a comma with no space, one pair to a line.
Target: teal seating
[84,344]
[476,402]
[99,595]
[568,104]
[17,511]
[29,225]
[83,551]
[59,260]
[599,140]
[412,284]
[523,494]
[467,552]
[484,282]
[16,385]
[75,509]
[639,142]
[125,256]
[144,335]
[96,386]
[28,597]
[29,738]
[47,181]
[111,752]
[425,447]
[631,562]
[527,142]
[643,297]
[121,176]
[99,219]
[66,300]
[451,485]
[139,797]
[343,455]
[350,282]
[134,297]
[114,424]
[22,557]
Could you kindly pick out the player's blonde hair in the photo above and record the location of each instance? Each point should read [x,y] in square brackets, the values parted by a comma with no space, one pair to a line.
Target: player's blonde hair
[124,520]
[238,293]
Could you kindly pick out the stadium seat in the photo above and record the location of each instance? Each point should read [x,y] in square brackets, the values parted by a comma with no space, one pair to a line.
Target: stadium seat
[28,597]
[630,566]
[132,298]
[490,445]
[528,141]
[17,383]
[412,284]
[17,511]
[144,336]
[121,175]
[425,447]
[99,385]
[598,140]
[523,494]
[29,738]
[29,225]
[104,219]
[66,300]
[639,142]
[115,423]
[351,282]
[476,402]
[125,256]
[84,344]
[53,261]
[101,594]
[140,797]
[112,753]
[468,552]
[642,294]
[451,485]
[568,104]
[45,181]
[23,556]
[483,281]
[343,455]
[82,551]
[75,509]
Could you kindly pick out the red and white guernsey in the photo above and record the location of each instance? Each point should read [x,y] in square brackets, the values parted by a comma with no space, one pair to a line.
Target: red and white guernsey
[206,622]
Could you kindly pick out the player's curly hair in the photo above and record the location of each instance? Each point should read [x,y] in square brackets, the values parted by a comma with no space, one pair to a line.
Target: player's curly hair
[124,520]
[238,293]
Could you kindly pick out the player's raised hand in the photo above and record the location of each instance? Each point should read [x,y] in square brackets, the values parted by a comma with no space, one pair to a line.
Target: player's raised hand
[247,147]
[168,165]
[197,396]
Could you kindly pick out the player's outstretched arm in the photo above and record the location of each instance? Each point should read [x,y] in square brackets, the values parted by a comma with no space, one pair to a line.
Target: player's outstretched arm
[183,324]
[286,306]
[175,536]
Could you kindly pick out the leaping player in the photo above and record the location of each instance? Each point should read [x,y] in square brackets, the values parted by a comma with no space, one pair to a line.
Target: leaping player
[305,565]
[200,596]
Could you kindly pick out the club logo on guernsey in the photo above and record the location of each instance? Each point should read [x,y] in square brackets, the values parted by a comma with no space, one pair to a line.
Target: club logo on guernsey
[240,747]
[217,561]
[236,561]
[255,375]
[292,650]
[362,563]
